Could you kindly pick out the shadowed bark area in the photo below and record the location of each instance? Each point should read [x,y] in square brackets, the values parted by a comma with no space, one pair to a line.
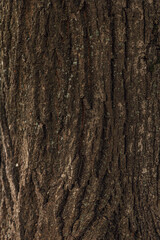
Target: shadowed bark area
[80,120]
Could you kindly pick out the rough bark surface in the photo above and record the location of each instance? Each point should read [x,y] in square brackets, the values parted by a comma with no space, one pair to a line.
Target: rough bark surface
[80,120]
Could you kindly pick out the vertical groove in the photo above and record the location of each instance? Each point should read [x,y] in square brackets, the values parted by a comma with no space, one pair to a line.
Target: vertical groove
[144,28]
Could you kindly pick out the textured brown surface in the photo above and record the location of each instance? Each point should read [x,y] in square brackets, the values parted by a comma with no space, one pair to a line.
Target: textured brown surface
[80,120]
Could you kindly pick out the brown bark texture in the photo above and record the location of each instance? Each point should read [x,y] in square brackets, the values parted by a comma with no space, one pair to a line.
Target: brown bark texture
[80,120]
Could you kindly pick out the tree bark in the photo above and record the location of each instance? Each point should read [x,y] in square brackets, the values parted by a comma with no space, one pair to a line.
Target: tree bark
[80,120]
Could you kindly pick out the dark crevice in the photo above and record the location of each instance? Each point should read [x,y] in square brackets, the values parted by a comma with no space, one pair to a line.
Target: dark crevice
[60,211]
[144,17]
[158,179]
[113,34]
[80,167]
[6,186]
[112,61]
[103,142]
[119,164]
[36,95]
[126,116]
[79,143]
[127,40]
[61,127]
[112,82]
[126,54]
[87,55]
[125,139]
[127,3]
[109,4]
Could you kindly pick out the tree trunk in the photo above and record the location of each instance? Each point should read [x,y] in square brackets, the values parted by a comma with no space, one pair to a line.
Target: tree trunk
[80,120]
